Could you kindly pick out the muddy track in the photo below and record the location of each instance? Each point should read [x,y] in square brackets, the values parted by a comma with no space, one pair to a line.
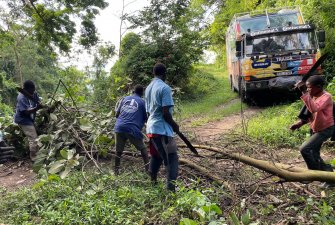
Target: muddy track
[212,131]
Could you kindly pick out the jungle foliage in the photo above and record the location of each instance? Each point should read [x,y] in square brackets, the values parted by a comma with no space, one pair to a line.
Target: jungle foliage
[172,34]
[53,22]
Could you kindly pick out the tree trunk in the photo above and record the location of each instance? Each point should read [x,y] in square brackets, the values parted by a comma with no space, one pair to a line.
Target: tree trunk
[286,172]
[18,64]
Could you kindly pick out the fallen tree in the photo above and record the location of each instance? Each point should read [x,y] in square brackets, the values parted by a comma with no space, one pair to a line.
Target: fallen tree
[286,172]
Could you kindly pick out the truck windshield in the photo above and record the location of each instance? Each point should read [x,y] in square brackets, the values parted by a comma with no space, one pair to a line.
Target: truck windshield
[259,22]
[281,43]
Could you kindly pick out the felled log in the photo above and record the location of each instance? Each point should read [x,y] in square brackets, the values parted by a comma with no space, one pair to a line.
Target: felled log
[286,172]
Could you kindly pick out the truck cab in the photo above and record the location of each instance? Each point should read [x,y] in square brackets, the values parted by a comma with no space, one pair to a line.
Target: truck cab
[270,50]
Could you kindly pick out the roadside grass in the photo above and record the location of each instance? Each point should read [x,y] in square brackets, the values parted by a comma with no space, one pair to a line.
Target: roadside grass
[219,112]
[108,199]
[271,126]
[207,106]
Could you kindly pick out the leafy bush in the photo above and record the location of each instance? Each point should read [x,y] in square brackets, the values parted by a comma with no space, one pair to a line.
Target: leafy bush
[272,126]
[104,201]
[199,84]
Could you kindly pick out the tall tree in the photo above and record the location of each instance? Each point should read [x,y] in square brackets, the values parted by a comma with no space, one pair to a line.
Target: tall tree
[53,21]
[171,35]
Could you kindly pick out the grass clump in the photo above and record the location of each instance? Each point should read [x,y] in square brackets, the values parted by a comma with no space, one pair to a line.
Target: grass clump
[272,126]
[105,199]
[210,94]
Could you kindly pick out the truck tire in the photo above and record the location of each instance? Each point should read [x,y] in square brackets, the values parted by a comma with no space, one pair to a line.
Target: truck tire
[232,88]
[241,90]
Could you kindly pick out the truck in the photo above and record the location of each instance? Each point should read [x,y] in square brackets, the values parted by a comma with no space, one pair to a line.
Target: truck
[270,50]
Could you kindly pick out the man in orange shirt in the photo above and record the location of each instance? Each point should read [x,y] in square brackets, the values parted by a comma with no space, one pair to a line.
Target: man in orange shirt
[320,104]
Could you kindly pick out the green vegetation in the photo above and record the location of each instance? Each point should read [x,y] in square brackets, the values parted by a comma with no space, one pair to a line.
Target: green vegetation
[278,120]
[106,199]
[172,34]
[210,86]
[272,126]
[34,34]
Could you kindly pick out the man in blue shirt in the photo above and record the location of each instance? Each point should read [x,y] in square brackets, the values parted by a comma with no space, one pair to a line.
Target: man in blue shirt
[131,116]
[25,113]
[160,127]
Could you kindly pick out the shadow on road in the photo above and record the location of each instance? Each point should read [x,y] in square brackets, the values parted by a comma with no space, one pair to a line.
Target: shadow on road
[272,98]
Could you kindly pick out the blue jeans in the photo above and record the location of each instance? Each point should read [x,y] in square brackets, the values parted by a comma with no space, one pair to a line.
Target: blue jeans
[170,161]
[310,150]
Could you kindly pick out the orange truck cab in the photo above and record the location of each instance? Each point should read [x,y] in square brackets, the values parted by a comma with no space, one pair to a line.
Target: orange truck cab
[270,50]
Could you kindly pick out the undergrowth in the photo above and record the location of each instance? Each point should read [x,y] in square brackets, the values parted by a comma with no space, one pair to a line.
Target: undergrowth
[272,126]
[107,199]
[211,93]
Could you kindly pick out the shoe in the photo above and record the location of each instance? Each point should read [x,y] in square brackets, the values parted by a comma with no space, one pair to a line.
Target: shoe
[327,185]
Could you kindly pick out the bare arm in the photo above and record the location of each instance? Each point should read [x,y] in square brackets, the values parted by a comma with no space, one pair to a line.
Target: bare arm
[168,118]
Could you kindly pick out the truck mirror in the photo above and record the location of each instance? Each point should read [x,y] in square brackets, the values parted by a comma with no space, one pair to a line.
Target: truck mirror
[322,45]
[238,45]
[248,39]
[321,36]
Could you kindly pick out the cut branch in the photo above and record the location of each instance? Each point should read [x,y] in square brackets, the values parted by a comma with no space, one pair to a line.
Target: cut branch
[286,172]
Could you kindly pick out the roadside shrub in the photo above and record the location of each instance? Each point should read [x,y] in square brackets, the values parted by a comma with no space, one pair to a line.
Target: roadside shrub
[199,84]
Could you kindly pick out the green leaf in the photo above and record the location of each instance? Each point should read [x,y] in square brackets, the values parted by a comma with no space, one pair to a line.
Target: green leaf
[214,223]
[65,172]
[57,166]
[201,212]
[246,218]
[45,138]
[187,221]
[59,145]
[43,173]
[234,219]
[72,163]
[90,192]
[85,124]
[53,116]
[216,209]
[67,154]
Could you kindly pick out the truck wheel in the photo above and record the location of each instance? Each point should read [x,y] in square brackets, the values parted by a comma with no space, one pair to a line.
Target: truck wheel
[232,85]
[241,91]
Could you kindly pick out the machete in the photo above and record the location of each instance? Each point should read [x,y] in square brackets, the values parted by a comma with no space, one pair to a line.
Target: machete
[188,143]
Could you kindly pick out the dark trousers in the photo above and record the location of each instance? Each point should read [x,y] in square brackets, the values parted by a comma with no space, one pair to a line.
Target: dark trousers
[170,161]
[310,150]
[120,142]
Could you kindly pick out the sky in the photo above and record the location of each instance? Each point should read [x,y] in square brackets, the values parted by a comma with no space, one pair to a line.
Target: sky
[108,26]
[108,22]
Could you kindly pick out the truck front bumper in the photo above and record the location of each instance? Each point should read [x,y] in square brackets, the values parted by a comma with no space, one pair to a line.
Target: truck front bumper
[276,83]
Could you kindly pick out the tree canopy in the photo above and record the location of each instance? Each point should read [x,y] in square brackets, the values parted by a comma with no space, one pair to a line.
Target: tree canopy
[53,23]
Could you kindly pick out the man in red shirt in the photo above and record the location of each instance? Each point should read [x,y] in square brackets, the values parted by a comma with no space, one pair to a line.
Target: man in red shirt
[320,104]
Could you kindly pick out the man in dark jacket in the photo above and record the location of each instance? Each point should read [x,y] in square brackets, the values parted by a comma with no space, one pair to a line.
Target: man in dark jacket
[131,117]
[25,113]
